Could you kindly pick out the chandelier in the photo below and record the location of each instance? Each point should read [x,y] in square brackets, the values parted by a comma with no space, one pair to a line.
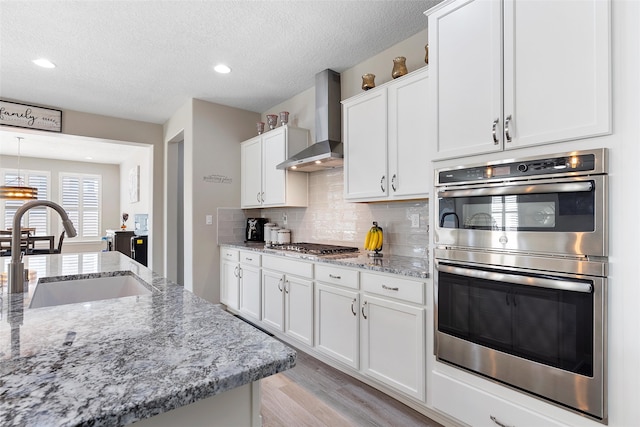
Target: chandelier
[16,189]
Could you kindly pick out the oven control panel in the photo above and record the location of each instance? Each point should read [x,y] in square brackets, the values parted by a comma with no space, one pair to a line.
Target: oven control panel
[561,164]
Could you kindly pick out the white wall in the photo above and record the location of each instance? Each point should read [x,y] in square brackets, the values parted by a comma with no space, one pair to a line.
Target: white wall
[212,134]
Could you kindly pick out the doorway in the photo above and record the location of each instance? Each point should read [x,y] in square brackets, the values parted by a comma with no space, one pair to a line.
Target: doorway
[174,256]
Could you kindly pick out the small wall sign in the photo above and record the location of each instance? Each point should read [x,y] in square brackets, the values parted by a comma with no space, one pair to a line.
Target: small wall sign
[217,179]
[30,116]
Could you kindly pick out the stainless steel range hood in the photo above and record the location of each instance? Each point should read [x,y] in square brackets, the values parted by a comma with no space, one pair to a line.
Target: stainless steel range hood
[327,151]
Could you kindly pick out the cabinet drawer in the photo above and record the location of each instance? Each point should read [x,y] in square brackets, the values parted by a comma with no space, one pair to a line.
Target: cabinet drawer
[395,287]
[479,408]
[337,276]
[288,266]
[229,254]
[250,258]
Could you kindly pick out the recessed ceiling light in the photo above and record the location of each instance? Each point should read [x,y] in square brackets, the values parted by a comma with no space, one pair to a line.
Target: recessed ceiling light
[222,69]
[88,158]
[44,63]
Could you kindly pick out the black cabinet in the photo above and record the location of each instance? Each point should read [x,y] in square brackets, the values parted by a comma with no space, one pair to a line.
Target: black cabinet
[122,242]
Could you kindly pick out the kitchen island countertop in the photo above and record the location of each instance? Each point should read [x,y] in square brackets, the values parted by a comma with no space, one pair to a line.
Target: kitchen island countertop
[113,362]
[394,264]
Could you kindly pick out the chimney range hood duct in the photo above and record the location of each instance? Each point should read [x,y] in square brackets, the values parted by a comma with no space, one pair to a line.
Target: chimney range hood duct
[327,151]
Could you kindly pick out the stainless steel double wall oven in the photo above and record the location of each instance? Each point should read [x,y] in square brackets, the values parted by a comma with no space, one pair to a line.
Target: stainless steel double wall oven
[521,275]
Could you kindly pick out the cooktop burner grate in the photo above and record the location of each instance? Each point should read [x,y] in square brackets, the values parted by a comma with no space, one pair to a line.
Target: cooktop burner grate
[314,248]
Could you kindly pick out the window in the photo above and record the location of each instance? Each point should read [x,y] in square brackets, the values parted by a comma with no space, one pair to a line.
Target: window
[37,217]
[81,195]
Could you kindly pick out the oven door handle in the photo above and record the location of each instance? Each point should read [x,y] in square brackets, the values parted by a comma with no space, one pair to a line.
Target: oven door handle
[540,282]
[562,187]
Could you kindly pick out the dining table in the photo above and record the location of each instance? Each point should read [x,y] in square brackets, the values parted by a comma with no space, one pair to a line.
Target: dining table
[5,241]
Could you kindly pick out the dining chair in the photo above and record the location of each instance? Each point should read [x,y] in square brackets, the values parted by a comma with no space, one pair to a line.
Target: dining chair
[47,251]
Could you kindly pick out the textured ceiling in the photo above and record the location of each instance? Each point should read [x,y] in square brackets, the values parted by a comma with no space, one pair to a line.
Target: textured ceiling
[143,60]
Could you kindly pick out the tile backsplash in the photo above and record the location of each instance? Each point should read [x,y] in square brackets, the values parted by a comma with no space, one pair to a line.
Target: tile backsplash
[330,219]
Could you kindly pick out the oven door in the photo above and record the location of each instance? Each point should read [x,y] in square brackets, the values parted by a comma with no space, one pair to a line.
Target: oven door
[542,216]
[541,333]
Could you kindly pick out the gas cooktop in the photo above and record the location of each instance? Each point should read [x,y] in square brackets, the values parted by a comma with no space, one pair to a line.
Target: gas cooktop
[314,248]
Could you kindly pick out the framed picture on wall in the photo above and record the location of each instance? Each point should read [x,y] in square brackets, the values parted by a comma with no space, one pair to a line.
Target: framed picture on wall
[134,184]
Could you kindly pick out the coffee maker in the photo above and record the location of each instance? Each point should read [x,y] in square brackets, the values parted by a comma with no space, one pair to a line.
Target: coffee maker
[255,229]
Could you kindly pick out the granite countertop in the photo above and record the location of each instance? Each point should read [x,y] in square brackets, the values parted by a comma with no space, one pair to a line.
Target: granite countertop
[402,265]
[113,362]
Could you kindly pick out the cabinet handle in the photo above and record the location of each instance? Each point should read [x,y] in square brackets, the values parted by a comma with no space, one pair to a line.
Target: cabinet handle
[334,277]
[390,289]
[258,197]
[352,307]
[280,283]
[249,259]
[240,272]
[382,183]
[363,306]
[286,291]
[507,122]
[495,420]
[494,130]
[262,197]
[393,182]
[235,271]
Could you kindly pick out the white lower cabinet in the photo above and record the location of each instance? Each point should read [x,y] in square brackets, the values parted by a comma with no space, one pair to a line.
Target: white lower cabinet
[337,324]
[250,285]
[229,278]
[287,297]
[370,323]
[393,332]
[479,408]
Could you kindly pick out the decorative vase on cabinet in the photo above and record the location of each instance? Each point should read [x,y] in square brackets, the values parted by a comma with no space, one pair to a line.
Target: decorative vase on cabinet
[399,67]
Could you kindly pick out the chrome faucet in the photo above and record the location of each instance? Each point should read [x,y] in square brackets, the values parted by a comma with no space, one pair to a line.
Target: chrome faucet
[16,267]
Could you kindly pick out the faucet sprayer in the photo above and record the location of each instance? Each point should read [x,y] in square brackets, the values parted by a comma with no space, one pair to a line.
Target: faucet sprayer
[16,267]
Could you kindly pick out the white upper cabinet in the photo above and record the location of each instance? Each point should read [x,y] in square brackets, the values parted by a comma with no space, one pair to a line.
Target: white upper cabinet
[386,146]
[365,146]
[262,184]
[408,152]
[499,81]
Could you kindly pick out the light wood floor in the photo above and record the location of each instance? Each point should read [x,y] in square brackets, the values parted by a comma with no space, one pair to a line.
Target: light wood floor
[315,394]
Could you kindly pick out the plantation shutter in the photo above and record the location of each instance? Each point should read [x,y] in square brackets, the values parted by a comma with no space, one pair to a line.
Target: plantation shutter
[37,217]
[81,200]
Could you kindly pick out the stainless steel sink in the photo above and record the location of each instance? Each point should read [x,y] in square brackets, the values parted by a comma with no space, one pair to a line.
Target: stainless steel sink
[51,293]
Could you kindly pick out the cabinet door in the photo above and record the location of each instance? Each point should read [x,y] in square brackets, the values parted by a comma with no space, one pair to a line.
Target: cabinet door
[299,309]
[465,77]
[250,291]
[393,344]
[409,144]
[251,173]
[272,299]
[337,324]
[229,284]
[274,150]
[556,83]
[365,146]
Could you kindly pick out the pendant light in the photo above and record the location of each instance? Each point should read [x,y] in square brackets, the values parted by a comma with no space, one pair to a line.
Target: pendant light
[16,189]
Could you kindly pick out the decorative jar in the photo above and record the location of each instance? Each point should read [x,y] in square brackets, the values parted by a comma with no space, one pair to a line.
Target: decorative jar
[284,118]
[368,81]
[399,67]
[272,120]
